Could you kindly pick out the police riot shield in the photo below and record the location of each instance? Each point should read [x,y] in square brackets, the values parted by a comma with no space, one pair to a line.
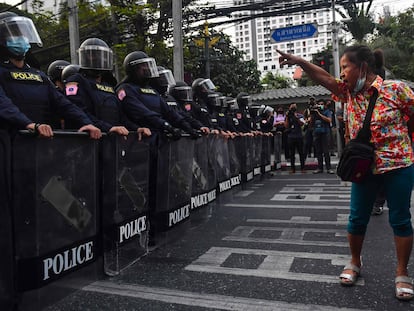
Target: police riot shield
[55,215]
[257,155]
[201,194]
[125,173]
[173,187]
[221,155]
[212,174]
[277,138]
[234,163]
[265,158]
[244,154]
[6,238]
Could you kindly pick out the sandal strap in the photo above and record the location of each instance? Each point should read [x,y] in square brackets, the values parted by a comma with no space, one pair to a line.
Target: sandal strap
[404,290]
[352,267]
[404,279]
[350,277]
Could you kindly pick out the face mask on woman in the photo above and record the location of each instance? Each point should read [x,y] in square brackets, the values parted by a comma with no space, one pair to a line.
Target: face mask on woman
[360,82]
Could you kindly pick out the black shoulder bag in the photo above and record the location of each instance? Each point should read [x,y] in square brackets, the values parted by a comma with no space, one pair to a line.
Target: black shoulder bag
[359,154]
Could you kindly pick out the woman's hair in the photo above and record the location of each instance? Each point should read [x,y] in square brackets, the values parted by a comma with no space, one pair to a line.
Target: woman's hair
[359,54]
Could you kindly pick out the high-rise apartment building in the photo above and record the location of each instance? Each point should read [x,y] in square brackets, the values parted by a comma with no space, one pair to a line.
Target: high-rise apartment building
[254,37]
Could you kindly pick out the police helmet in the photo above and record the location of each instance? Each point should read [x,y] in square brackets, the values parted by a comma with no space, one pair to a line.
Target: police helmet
[69,71]
[138,64]
[203,85]
[264,111]
[243,99]
[13,27]
[95,54]
[223,101]
[54,71]
[165,77]
[182,92]
[213,99]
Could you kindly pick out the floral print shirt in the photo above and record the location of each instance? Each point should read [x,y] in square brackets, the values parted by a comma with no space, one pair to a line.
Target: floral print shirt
[389,132]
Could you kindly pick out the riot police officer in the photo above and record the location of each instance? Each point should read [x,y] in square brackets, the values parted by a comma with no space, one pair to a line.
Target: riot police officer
[20,84]
[265,118]
[142,103]
[92,89]
[244,115]
[54,71]
[201,89]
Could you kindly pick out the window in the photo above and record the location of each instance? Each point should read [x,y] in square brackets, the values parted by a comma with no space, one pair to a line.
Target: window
[264,67]
[273,67]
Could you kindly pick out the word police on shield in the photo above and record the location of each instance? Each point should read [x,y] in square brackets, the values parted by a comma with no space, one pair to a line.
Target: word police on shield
[294,32]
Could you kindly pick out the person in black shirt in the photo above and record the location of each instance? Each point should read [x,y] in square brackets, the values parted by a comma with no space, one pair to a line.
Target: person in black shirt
[293,124]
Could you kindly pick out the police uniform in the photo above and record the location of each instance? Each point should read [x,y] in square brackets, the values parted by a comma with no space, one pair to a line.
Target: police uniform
[145,106]
[28,96]
[98,100]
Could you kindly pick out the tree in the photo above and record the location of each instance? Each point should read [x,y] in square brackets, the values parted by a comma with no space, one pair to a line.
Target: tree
[360,23]
[276,81]
[229,72]
[395,37]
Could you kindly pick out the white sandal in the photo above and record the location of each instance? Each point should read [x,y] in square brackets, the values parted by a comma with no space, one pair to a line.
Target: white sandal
[347,279]
[404,293]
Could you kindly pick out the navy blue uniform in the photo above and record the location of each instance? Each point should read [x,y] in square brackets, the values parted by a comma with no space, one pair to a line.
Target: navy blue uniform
[144,105]
[194,123]
[28,96]
[98,101]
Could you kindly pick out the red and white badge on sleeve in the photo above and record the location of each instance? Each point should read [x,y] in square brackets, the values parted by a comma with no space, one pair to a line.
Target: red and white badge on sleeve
[71,88]
[121,94]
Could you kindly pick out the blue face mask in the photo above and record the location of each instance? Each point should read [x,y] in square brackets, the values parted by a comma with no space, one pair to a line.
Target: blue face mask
[18,45]
[360,82]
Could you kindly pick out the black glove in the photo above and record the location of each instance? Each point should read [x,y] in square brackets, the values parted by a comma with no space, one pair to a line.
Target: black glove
[171,132]
[194,134]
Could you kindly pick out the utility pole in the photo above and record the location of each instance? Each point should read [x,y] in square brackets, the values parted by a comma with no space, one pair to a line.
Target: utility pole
[73,31]
[335,56]
[178,57]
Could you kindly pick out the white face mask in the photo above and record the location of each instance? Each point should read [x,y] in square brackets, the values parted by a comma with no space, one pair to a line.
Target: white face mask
[360,82]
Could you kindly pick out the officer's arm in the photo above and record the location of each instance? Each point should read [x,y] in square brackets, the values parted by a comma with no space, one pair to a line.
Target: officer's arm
[136,111]
[10,113]
[67,109]
[80,98]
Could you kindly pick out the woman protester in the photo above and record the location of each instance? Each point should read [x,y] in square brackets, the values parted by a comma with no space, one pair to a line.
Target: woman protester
[393,153]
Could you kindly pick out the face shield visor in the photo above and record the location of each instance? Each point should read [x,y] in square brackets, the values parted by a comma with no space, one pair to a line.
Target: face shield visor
[207,85]
[213,100]
[268,110]
[223,101]
[184,93]
[244,101]
[95,57]
[19,26]
[145,67]
[166,78]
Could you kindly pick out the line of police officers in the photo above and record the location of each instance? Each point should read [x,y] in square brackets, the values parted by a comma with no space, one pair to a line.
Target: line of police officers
[87,97]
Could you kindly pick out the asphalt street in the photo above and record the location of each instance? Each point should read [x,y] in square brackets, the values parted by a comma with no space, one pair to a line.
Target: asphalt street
[278,244]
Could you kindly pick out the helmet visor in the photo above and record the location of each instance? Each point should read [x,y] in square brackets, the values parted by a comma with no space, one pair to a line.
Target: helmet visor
[184,93]
[145,67]
[95,57]
[19,26]
[166,78]
[214,100]
[207,85]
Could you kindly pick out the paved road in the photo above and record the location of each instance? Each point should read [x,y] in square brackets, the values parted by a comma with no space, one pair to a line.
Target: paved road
[279,244]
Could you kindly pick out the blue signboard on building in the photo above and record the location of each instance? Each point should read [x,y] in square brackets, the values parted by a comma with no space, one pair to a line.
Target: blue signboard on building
[295,32]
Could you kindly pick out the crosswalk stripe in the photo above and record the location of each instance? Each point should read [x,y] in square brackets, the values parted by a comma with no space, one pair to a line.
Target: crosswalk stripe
[210,301]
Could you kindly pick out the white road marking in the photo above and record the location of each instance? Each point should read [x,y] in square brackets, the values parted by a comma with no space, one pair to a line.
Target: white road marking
[342,219]
[315,190]
[275,265]
[278,206]
[292,236]
[311,198]
[202,300]
[244,193]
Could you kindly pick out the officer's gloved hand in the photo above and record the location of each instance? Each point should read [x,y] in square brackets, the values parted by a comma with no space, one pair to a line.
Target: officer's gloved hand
[194,134]
[171,132]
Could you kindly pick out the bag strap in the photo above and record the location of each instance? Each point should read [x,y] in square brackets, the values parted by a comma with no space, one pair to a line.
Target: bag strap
[365,132]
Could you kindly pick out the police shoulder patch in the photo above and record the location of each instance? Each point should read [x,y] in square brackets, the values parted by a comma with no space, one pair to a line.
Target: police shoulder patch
[121,94]
[25,76]
[71,88]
